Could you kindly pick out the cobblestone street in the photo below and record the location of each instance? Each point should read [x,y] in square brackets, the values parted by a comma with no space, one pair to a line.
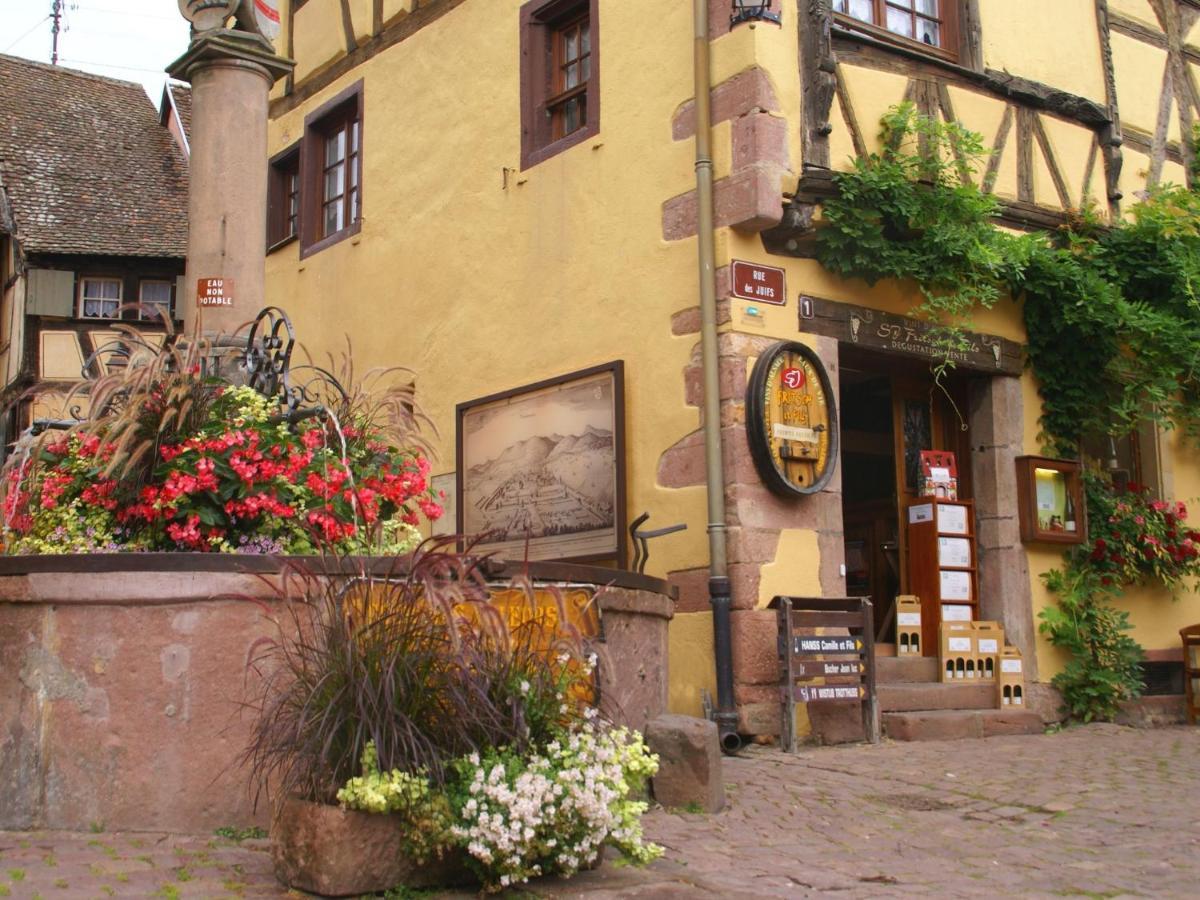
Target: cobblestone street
[1098,811]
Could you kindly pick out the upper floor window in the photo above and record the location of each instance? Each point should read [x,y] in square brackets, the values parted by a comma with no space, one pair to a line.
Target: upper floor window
[324,203]
[154,299]
[99,298]
[283,197]
[560,69]
[932,23]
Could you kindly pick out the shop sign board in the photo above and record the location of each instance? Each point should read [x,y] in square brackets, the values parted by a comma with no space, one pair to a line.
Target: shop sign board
[791,420]
[760,284]
[905,336]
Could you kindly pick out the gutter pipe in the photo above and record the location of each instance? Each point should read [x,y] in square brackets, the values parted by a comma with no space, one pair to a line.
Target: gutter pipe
[718,573]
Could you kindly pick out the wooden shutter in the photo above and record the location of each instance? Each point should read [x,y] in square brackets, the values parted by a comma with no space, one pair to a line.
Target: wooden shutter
[50,292]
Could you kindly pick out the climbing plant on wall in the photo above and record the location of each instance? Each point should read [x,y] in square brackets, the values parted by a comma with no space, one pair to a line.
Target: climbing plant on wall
[1112,314]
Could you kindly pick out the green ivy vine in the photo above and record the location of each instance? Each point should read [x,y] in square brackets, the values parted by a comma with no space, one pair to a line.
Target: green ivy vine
[1112,314]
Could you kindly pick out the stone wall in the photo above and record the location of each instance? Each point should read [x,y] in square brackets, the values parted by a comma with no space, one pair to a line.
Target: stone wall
[120,691]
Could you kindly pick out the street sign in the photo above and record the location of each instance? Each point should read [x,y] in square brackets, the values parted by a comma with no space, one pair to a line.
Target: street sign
[830,641]
[761,284]
[820,645]
[822,668]
[851,693]
[214,292]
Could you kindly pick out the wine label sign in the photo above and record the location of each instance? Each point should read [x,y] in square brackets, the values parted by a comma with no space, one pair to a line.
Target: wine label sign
[817,645]
[791,420]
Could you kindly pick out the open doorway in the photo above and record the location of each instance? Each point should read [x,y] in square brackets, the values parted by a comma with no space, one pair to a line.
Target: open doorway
[890,410]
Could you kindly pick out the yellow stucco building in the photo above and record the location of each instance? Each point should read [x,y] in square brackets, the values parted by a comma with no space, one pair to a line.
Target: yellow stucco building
[499,194]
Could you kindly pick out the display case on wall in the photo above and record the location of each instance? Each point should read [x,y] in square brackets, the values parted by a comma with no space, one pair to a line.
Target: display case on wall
[1050,500]
[942,564]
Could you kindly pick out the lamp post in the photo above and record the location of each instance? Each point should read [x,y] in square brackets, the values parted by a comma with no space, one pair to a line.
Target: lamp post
[753,11]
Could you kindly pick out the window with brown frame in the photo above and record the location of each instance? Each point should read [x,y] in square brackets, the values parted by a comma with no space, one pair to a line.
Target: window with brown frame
[931,24]
[283,197]
[156,300]
[330,183]
[560,77]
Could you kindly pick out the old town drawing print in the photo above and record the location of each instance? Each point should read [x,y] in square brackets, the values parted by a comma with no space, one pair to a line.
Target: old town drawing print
[540,468]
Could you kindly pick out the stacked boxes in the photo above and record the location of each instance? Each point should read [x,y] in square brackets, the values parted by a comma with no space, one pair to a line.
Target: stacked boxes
[1011,679]
[955,651]
[987,642]
[908,625]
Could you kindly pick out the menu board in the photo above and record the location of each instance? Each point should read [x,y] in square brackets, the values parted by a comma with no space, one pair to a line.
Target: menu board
[952,519]
[954,552]
[956,585]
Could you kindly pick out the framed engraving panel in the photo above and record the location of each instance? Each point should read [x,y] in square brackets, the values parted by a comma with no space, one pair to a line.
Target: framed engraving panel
[541,469]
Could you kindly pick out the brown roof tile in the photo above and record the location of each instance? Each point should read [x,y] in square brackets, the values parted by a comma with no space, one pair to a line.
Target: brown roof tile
[87,166]
[181,99]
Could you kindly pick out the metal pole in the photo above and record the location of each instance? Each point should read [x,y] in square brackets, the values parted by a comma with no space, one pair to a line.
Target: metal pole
[718,576]
[56,13]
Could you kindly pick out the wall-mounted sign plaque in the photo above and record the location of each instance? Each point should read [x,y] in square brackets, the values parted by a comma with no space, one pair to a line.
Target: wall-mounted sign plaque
[214,292]
[791,420]
[762,284]
[878,330]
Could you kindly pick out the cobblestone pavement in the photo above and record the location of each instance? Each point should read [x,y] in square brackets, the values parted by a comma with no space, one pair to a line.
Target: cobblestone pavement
[1098,811]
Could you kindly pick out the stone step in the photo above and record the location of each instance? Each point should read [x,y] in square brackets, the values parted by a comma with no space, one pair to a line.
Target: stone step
[957,724]
[906,668]
[910,696]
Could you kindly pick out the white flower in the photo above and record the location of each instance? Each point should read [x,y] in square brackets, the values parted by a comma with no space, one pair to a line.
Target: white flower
[524,688]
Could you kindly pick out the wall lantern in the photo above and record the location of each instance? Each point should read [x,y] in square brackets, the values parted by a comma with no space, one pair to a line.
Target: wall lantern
[752,11]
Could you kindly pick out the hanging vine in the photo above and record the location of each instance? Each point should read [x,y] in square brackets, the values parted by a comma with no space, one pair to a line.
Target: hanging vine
[1112,314]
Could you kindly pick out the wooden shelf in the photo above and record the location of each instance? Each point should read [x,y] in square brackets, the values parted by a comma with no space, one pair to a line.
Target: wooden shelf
[942,563]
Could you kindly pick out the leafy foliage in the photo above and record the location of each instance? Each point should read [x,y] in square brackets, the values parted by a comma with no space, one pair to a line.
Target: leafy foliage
[1112,312]
[910,212]
[1104,668]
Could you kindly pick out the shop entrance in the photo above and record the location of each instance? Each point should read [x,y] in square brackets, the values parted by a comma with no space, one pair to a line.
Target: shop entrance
[891,409]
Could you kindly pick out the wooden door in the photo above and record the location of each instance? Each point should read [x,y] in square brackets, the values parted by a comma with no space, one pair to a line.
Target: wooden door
[926,417]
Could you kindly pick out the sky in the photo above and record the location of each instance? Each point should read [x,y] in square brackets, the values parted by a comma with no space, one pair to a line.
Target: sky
[133,40]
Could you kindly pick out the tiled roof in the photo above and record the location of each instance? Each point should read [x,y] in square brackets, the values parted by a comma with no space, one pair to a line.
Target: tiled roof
[87,166]
[181,98]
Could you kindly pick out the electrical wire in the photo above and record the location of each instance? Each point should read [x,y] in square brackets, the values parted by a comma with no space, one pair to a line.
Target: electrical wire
[85,62]
[36,25]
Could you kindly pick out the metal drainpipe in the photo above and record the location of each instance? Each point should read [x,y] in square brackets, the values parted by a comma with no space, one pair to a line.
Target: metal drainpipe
[718,577]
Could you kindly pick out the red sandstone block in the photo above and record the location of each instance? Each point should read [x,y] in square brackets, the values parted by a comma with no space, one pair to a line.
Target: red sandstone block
[755,647]
[693,590]
[682,464]
[760,137]
[744,92]
[749,199]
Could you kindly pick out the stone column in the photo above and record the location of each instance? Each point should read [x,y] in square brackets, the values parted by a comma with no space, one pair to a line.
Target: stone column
[997,434]
[231,73]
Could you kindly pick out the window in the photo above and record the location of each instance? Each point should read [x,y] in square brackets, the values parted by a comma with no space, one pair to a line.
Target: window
[154,299]
[99,298]
[560,68]
[283,197]
[1135,457]
[933,23]
[325,205]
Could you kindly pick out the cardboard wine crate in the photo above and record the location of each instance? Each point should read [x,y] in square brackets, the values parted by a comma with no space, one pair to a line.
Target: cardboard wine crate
[987,641]
[1010,680]
[908,625]
[955,651]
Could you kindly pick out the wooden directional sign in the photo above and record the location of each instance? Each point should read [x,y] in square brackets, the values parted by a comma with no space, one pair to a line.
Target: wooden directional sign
[827,693]
[827,668]
[843,661]
[817,646]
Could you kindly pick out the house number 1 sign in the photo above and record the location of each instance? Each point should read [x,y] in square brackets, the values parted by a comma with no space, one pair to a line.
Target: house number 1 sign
[791,420]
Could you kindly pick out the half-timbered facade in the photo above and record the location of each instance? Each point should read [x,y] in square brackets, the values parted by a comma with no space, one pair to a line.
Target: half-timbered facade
[501,193]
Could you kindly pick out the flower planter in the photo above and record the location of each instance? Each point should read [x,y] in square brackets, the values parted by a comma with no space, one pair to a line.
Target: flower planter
[334,852]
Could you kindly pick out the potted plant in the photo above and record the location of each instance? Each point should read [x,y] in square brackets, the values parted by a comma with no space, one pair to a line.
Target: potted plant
[453,743]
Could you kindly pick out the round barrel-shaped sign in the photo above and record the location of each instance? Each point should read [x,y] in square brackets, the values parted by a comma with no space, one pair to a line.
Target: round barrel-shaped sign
[791,420]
